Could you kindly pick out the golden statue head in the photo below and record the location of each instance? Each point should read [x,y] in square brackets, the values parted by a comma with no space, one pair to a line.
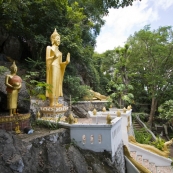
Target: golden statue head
[13,67]
[54,35]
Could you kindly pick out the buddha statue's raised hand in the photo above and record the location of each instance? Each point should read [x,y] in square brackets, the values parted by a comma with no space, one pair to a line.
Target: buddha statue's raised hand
[68,58]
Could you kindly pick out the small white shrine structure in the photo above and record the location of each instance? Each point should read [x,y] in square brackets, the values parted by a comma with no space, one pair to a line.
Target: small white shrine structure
[95,134]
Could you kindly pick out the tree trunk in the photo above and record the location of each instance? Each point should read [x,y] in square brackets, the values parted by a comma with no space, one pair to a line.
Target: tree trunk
[152,111]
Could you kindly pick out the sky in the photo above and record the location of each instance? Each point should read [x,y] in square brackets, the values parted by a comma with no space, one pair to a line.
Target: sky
[123,22]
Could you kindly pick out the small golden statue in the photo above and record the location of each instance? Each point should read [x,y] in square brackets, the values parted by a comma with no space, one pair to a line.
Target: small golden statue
[94,112]
[13,83]
[104,109]
[75,120]
[55,69]
[38,115]
[108,119]
[71,119]
[129,107]
[17,128]
[118,113]
[124,110]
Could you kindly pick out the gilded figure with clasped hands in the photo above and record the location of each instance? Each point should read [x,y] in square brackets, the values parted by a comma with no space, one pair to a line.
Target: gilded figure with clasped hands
[13,83]
[55,69]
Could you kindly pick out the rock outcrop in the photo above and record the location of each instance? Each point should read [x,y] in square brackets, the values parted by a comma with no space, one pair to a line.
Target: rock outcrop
[49,152]
[9,45]
[81,108]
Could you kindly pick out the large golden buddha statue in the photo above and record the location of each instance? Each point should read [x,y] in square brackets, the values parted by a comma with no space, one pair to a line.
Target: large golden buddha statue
[55,69]
[13,83]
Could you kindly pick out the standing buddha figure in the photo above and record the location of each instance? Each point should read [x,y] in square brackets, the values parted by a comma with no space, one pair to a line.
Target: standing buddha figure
[55,69]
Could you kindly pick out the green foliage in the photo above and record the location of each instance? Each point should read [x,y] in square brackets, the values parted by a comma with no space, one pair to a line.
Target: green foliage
[166,110]
[159,143]
[77,91]
[78,23]
[47,124]
[142,136]
[34,87]
[151,62]
[118,93]
[115,65]
[3,69]
[37,65]
[142,115]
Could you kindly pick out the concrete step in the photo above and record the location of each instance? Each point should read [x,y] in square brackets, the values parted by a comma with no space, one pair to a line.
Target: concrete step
[164,169]
[152,167]
[146,163]
[139,159]
[133,154]
[137,126]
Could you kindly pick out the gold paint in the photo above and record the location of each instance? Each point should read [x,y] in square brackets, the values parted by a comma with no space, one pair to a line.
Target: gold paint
[124,110]
[55,69]
[75,120]
[71,119]
[141,168]
[17,128]
[94,112]
[108,119]
[118,113]
[129,107]
[38,115]
[13,83]
[95,96]
[7,119]
[104,109]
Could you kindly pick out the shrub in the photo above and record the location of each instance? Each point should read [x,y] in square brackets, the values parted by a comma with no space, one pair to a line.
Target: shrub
[142,136]
[77,91]
[159,143]
[3,69]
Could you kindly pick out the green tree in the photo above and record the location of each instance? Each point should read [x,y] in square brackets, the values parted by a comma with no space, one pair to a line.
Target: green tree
[166,110]
[115,65]
[78,23]
[151,62]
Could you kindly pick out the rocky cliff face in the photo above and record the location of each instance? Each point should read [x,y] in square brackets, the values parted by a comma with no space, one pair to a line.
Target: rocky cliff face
[9,46]
[49,152]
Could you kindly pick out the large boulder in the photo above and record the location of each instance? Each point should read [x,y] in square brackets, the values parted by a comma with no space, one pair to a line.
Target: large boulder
[81,108]
[81,111]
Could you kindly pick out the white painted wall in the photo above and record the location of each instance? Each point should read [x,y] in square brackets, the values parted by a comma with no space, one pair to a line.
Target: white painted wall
[111,135]
[116,135]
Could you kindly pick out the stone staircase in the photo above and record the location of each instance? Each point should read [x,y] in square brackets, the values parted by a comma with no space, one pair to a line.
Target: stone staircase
[154,164]
[136,125]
